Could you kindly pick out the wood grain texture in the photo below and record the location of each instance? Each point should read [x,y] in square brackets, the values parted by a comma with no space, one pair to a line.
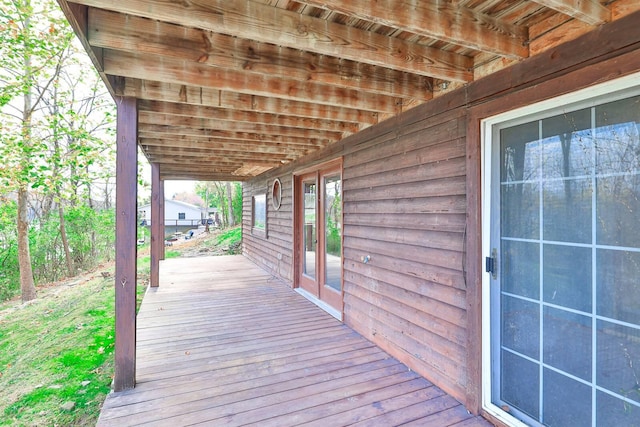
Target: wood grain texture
[157,227]
[126,243]
[222,342]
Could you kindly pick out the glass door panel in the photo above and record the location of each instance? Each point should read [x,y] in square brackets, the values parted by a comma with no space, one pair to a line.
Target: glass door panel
[333,232]
[310,238]
[566,303]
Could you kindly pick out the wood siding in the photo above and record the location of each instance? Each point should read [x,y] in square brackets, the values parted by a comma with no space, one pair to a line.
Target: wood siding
[412,202]
[273,249]
[404,207]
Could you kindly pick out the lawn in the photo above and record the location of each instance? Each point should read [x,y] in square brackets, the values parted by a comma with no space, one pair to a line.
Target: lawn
[56,353]
[56,361]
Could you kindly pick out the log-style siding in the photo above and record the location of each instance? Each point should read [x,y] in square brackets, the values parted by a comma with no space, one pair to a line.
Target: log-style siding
[272,250]
[412,202]
[412,291]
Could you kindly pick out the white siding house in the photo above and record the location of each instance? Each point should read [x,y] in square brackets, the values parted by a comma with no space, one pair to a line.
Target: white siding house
[176,213]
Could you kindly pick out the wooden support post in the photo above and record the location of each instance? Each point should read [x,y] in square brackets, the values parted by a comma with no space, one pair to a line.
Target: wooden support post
[157,232]
[126,243]
[161,199]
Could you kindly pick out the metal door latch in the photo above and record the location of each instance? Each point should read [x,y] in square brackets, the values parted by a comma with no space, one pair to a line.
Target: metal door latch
[491,264]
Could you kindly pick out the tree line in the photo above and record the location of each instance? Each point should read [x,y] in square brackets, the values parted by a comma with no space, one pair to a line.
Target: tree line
[58,164]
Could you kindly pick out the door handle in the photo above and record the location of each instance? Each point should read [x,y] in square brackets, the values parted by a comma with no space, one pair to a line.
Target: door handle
[491,264]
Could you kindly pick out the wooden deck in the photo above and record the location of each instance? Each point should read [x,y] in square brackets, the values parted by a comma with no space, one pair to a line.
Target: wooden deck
[221,342]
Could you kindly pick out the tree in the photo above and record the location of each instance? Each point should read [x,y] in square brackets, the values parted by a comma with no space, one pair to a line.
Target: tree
[226,197]
[46,138]
[77,114]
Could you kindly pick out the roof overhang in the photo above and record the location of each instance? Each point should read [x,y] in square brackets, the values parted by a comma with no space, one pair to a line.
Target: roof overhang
[229,89]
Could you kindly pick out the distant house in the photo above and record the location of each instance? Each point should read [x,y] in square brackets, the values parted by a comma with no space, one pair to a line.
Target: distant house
[176,213]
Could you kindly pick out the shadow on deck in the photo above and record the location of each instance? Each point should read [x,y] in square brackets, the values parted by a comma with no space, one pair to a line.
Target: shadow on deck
[221,342]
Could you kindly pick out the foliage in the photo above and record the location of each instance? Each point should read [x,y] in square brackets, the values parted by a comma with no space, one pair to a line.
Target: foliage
[91,238]
[334,240]
[53,120]
[9,274]
[230,237]
[214,194]
[236,202]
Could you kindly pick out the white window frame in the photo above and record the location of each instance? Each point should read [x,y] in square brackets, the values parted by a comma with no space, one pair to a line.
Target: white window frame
[486,146]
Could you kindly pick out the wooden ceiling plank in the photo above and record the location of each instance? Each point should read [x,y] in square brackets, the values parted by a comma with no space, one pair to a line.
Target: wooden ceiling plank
[212,160]
[178,176]
[133,34]
[591,12]
[267,24]
[439,20]
[202,96]
[245,137]
[150,118]
[224,145]
[222,132]
[221,114]
[173,71]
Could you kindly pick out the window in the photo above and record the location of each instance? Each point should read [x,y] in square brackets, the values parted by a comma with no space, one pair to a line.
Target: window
[181,215]
[259,212]
[564,318]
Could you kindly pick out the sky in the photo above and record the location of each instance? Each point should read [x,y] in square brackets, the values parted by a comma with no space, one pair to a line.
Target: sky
[173,187]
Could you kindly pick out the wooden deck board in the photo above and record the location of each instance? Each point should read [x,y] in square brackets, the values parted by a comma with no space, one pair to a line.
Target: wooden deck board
[221,342]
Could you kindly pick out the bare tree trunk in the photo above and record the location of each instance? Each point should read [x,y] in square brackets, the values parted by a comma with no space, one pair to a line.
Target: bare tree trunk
[27,284]
[232,221]
[220,191]
[65,243]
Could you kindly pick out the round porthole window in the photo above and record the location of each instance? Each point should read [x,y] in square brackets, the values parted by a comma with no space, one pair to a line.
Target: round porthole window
[276,193]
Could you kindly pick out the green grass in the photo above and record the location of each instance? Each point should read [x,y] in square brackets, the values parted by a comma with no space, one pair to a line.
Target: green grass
[55,350]
[230,236]
[59,348]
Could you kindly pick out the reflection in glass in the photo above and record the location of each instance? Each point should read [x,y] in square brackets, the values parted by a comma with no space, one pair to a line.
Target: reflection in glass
[567,276]
[619,372]
[618,210]
[567,145]
[517,371]
[520,267]
[310,237]
[520,326]
[520,151]
[525,199]
[570,267]
[567,402]
[618,285]
[566,210]
[333,231]
[260,211]
[567,342]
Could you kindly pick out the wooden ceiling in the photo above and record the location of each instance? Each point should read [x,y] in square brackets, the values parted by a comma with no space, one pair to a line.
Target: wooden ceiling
[228,89]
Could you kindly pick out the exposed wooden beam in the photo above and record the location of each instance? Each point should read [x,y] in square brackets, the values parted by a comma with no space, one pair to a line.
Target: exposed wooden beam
[175,71]
[194,95]
[193,161]
[158,130]
[204,176]
[214,154]
[157,229]
[154,119]
[227,133]
[591,12]
[439,20]
[290,29]
[161,203]
[126,244]
[255,149]
[243,137]
[133,34]
[225,114]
